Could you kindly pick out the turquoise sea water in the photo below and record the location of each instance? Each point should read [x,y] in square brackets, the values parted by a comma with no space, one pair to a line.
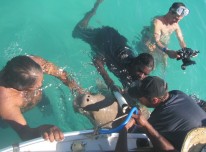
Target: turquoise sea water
[44,27]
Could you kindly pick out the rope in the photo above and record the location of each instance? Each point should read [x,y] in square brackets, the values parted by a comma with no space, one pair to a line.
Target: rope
[117,129]
[99,126]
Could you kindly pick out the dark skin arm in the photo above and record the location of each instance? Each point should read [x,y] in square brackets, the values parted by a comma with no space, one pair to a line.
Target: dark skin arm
[99,64]
[121,145]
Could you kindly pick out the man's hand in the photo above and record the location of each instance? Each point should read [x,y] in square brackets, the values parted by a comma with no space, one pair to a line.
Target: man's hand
[51,133]
[114,87]
[139,118]
[131,123]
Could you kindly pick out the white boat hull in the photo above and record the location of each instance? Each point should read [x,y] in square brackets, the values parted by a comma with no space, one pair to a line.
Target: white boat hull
[78,141]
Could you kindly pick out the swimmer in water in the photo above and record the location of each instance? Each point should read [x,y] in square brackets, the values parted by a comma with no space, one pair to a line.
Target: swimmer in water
[155,38]
[20,90]
[110,49]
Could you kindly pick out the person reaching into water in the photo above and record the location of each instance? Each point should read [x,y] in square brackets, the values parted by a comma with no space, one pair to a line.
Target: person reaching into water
[174,114]
[155,38]
[110,48]
[122,146]
[20,90]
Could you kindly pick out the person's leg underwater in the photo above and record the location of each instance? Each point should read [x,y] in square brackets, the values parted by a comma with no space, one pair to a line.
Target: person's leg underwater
[84,22]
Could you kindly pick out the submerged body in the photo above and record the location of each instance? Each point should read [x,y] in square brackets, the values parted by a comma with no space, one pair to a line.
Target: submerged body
[110,48]
[155,38]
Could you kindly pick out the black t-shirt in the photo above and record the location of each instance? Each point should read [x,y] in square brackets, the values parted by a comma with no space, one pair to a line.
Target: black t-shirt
[110,46]
[175,117]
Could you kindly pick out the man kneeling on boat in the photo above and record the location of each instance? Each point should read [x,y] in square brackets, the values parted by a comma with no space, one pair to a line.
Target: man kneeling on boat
[20,90]
[174,115]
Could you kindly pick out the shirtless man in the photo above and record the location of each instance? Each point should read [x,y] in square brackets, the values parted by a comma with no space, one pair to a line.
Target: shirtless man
[155,38]
[20,90]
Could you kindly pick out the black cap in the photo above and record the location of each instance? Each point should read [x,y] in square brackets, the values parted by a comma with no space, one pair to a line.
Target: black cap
[151,86]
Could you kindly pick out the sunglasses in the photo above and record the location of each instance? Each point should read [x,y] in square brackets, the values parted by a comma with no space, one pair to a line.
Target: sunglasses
[181,11]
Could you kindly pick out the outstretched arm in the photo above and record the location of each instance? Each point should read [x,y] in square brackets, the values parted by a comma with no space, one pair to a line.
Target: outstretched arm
[48,132]
[12,115]
[159,142]
[51,69]
[99,64]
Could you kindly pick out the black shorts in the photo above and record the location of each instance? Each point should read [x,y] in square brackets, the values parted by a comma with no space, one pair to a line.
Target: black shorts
[86,34]
[107,43]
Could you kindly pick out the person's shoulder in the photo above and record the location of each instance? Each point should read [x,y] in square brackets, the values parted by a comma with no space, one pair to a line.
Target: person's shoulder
[8,94]
[177,92]
[158,19]
[9,98]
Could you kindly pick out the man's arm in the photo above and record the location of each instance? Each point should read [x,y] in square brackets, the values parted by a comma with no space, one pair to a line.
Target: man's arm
[13,116]
[51,69]
[180,37]
[121,145]
[99,64]
[159,142]
[48,132]
[171,53]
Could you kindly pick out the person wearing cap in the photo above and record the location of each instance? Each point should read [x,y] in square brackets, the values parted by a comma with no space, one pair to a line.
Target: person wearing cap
[110,48]
[155,38]
[174,114]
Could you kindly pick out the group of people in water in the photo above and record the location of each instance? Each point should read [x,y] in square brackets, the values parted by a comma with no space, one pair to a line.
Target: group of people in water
[21,81]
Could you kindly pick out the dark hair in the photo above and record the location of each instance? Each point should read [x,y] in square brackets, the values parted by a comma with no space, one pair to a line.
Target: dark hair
[176,5]
[144,59]
[20,73]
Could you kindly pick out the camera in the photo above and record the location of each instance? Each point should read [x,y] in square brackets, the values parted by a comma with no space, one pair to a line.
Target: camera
[185,55]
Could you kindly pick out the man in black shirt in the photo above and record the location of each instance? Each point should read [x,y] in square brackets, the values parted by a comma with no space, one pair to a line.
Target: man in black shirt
[174,115]
[110,48]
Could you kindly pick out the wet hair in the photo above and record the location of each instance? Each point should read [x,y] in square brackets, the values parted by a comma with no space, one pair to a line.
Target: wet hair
[20,73]
[176,5]
[144,59]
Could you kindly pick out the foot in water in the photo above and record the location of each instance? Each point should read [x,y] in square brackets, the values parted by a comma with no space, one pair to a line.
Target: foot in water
[84,22]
